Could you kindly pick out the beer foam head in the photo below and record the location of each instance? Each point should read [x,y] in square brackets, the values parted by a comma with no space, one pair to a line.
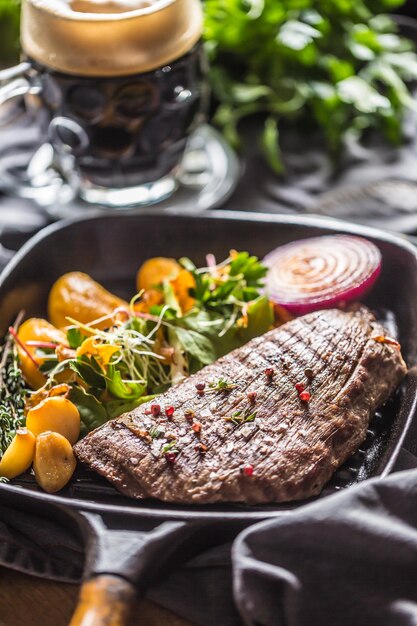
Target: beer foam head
[109,37]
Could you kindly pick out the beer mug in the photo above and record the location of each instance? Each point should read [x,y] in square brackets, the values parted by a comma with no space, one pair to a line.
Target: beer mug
[117,87]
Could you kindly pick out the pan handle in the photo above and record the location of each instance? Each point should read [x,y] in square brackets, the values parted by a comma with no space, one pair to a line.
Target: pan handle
[104,600]
[122,563]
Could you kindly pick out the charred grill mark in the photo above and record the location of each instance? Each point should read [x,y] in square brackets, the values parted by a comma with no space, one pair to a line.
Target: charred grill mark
[339,377]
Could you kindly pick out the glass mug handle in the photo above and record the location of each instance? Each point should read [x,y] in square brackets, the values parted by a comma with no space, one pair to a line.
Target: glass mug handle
[54,157]
[14,82]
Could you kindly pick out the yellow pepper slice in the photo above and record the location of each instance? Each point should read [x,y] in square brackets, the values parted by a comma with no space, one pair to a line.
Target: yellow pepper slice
[103,352]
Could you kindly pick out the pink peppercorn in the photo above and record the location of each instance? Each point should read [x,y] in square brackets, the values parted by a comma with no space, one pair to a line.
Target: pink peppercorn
[252,396]
[169,411]
[305,396]
[269,372]
[248,470]
[155,409]
[300,387]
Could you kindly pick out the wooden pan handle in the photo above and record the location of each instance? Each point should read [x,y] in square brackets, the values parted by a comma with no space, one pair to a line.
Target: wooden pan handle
[104,600]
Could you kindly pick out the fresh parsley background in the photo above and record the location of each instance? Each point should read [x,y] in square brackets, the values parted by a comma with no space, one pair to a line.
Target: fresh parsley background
[338,64]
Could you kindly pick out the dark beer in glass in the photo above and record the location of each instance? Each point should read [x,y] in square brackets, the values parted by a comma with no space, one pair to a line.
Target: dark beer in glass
[121,87]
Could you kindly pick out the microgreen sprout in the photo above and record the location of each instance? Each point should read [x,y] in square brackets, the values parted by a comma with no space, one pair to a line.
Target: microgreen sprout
[222,385]
[238,418]
[170,447]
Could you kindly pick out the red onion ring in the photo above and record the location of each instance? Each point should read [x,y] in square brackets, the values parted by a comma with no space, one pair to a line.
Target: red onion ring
[321,272]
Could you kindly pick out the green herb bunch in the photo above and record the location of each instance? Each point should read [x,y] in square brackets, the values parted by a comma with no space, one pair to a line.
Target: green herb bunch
[340,64]
[9,31]
[12,395]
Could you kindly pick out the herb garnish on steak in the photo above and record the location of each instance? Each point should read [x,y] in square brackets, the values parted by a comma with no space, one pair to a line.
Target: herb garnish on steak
[297,404]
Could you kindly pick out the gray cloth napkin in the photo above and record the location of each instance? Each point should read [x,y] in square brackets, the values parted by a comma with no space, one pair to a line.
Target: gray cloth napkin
[350,560]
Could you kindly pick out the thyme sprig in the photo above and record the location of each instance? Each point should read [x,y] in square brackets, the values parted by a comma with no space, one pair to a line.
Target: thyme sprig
[12,391]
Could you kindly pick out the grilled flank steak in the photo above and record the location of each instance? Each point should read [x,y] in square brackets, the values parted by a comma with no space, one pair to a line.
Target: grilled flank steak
[269,422]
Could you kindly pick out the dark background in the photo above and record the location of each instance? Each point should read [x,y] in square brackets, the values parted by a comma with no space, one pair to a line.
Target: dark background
[410,8]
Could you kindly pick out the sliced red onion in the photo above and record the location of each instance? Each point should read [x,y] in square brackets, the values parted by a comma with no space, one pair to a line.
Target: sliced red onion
[321,272]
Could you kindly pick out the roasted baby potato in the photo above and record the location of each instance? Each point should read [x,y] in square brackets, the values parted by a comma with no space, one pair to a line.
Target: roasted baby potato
[78,296]
[54,462]
[19,455]
[36,329]
[55,413]
[154,272]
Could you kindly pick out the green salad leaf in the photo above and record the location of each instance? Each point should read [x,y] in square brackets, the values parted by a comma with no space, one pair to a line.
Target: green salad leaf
[115,408]
[95,412]
[87,370]
[75,337]
[260,319]
[92,412]
[228,312]
[197,345]
[121,388]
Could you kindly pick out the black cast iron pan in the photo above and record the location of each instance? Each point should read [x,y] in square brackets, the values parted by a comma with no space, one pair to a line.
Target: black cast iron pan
[130,542]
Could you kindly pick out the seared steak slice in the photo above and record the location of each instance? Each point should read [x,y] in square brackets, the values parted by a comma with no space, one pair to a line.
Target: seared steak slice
[228,445]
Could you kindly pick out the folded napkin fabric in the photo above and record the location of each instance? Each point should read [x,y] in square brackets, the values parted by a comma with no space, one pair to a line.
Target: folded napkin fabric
[348,560]
[39,545]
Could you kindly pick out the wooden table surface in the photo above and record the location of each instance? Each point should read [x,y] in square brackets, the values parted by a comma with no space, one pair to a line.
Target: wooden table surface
[29,601]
